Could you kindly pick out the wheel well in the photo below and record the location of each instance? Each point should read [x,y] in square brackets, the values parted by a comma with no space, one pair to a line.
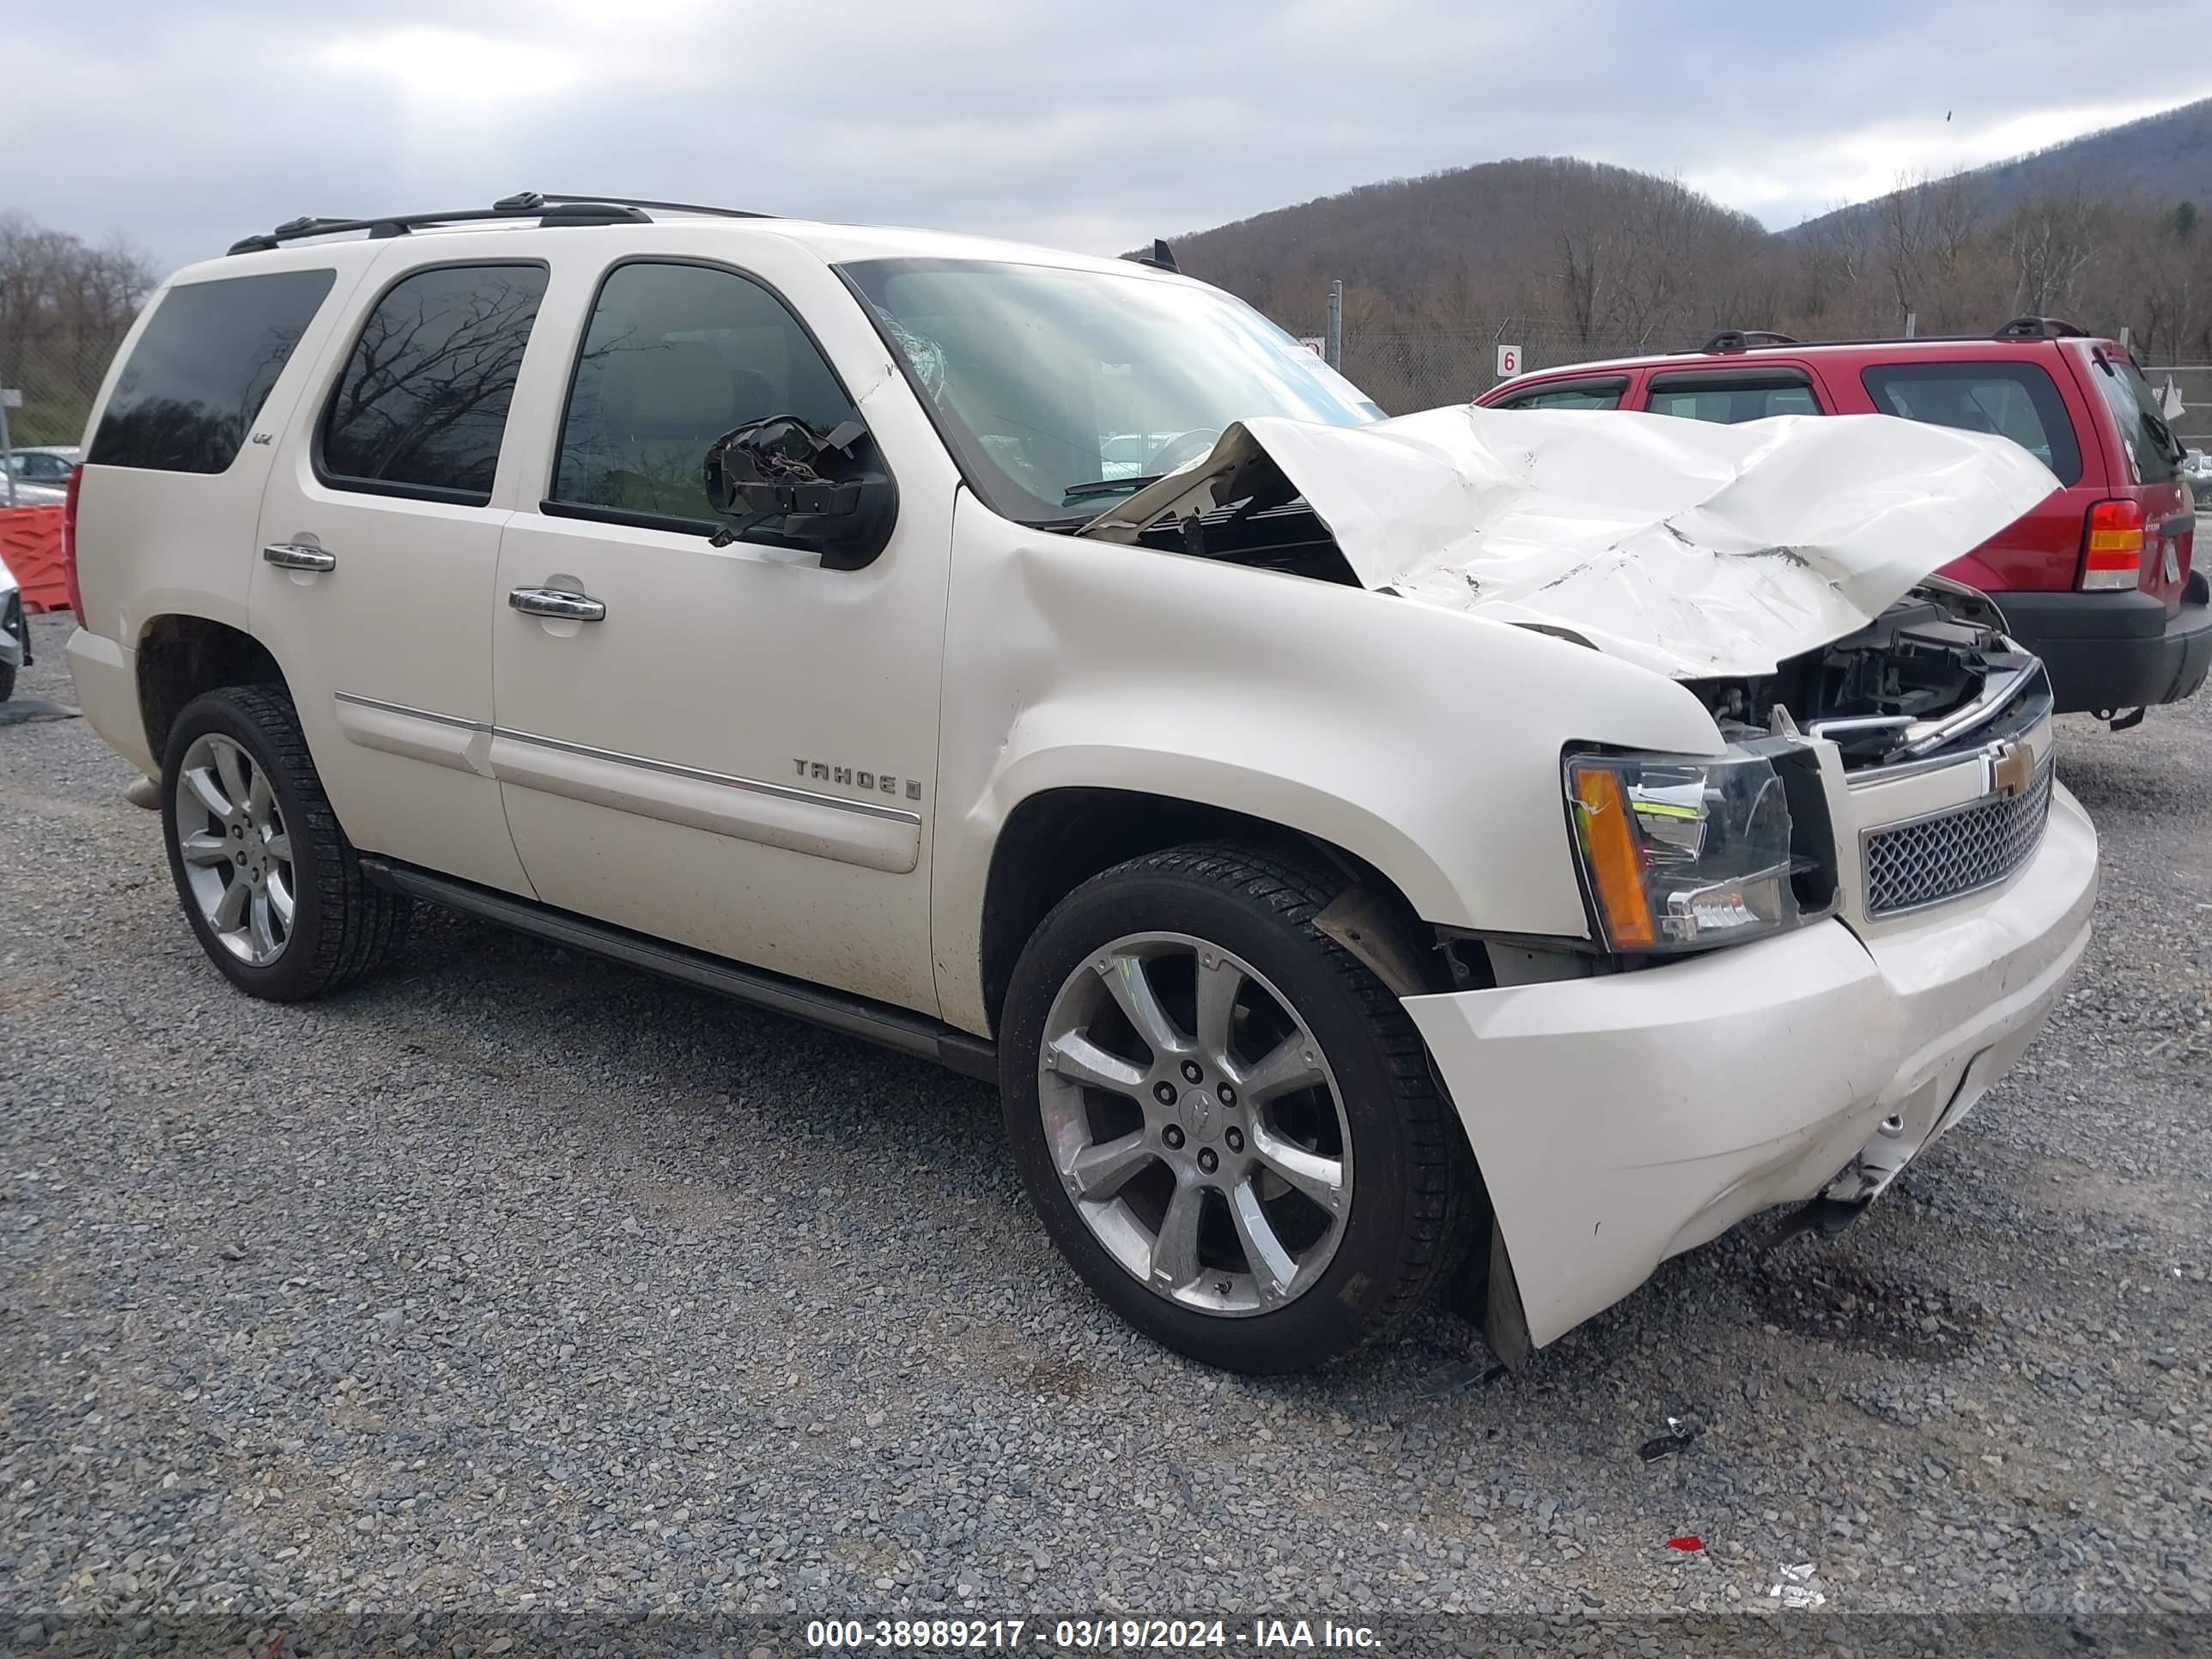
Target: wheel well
[1054,842]
[181,657]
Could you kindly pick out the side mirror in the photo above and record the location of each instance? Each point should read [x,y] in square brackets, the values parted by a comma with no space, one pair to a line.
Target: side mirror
[829,488]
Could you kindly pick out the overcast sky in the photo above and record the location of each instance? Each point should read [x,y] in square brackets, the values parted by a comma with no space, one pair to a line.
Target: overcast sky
[187,123]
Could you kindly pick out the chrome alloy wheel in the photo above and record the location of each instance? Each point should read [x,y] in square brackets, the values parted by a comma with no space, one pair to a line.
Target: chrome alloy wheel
[237,855]
[1194,1124]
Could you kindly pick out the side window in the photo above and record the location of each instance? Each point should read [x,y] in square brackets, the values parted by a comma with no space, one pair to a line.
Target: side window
[422,404]
[1726,402]
[2153,456]
[2019,401]
[1574,394]
[675,356]
[203,369]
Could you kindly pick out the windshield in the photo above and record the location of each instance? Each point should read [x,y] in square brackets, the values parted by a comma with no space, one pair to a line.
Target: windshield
[1059,391]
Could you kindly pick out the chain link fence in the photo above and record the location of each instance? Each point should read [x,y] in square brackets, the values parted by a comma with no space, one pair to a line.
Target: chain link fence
[1408,371]
[58,375]
[2191,383]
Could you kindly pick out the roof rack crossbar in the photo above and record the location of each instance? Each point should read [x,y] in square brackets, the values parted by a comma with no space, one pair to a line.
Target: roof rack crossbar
[667,207]
[546,208]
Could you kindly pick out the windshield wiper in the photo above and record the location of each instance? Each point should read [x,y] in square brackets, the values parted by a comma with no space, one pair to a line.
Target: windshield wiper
[1082,492]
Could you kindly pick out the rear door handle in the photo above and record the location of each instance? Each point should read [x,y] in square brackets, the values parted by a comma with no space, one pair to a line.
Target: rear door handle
[556,602]
[298,556]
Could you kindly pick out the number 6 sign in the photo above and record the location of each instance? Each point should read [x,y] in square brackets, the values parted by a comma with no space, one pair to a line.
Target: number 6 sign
[1509,362]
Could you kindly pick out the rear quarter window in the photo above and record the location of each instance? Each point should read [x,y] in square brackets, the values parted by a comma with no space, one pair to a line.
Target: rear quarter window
[2019,401]
[420,409]
[2153,457]
[203,367]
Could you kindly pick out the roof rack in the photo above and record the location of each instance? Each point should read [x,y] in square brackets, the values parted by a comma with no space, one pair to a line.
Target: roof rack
[2019,328]
[1742,339]
[547,210]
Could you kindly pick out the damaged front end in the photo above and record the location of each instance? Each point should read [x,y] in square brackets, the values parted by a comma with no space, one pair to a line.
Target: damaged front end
[1848,962]
[1933,674]
[1701,552]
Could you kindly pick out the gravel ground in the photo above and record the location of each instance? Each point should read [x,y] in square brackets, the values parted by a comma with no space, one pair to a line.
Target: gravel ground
[516,1280]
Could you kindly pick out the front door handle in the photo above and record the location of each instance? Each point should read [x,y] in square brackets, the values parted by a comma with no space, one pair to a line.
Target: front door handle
[556,602]
[298,556]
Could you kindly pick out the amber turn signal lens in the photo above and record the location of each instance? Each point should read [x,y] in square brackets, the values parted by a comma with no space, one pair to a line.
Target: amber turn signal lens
[2112,545]
[1610,854]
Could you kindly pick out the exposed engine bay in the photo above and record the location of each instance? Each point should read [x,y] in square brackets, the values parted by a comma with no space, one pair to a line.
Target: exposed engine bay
[1926,675]
[1266,531]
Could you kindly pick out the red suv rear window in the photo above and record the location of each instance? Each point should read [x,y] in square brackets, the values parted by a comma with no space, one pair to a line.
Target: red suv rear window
[2015,400]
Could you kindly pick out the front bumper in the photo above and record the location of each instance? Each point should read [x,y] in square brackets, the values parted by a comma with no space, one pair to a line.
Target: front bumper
[2112,651]
[1622,1119]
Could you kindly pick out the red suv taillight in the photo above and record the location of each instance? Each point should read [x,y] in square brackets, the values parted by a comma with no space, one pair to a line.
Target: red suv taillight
[68,545]
[2112,545]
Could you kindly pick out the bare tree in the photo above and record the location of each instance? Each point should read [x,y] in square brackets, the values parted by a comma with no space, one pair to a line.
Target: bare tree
[64,306]
[2052,237]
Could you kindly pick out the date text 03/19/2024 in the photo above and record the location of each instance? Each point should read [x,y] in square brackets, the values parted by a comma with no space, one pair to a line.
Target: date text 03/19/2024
[1084,1635]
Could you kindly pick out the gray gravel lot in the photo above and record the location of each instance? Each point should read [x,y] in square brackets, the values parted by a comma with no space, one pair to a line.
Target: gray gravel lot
[517,1280]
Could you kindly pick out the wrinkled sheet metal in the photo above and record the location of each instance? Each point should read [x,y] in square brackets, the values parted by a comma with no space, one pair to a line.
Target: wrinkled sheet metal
[1692,548]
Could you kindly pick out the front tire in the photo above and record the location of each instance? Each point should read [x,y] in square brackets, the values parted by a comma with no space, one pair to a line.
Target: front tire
[1227,1123]
[270,885]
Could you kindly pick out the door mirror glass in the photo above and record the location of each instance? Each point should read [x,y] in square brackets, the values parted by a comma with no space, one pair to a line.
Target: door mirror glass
[825,490]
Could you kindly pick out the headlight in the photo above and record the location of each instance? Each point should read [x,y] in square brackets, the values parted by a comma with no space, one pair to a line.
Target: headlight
[1682,852]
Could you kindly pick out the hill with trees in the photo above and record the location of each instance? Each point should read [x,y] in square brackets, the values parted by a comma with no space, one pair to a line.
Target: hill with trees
[1573,259]
[2162,158]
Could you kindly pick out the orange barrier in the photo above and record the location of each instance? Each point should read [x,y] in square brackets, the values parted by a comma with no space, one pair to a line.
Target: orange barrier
[30,544]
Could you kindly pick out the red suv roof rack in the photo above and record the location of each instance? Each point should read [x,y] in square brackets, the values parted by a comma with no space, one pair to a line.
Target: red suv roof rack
[1742,339]
[2041,328]
[2019,328]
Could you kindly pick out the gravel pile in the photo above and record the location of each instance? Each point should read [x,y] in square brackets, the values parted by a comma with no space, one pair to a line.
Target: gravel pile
[517,1282]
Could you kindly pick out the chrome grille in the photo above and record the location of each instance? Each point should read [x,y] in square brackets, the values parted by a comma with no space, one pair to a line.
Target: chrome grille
[1911,865]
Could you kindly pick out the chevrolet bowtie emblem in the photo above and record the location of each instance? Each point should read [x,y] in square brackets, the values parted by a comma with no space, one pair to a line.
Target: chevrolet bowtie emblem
[2012,769]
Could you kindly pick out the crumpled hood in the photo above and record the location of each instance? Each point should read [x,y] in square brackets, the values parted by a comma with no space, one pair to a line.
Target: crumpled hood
[1695,550]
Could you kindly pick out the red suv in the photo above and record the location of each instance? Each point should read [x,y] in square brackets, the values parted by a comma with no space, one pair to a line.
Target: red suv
[2097,580]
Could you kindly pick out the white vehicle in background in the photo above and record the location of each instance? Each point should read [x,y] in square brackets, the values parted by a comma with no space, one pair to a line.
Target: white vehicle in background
[1473,855]
[15,632]
[47,464]
[39,477]
[2197,473]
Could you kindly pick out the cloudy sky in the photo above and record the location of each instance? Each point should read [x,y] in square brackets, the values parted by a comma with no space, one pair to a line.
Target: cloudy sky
[187,123]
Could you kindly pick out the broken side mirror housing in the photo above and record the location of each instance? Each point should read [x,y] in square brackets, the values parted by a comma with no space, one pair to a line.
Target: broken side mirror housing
[830,490]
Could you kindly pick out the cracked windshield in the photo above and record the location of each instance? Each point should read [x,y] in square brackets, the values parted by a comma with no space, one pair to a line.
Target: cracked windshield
[1065,389]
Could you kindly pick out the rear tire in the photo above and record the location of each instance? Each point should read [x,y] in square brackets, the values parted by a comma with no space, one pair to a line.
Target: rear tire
[7,681]
[1333,1179]
[271,886]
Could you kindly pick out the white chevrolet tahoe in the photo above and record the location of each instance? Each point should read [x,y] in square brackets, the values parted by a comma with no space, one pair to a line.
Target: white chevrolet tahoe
[1474,856]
